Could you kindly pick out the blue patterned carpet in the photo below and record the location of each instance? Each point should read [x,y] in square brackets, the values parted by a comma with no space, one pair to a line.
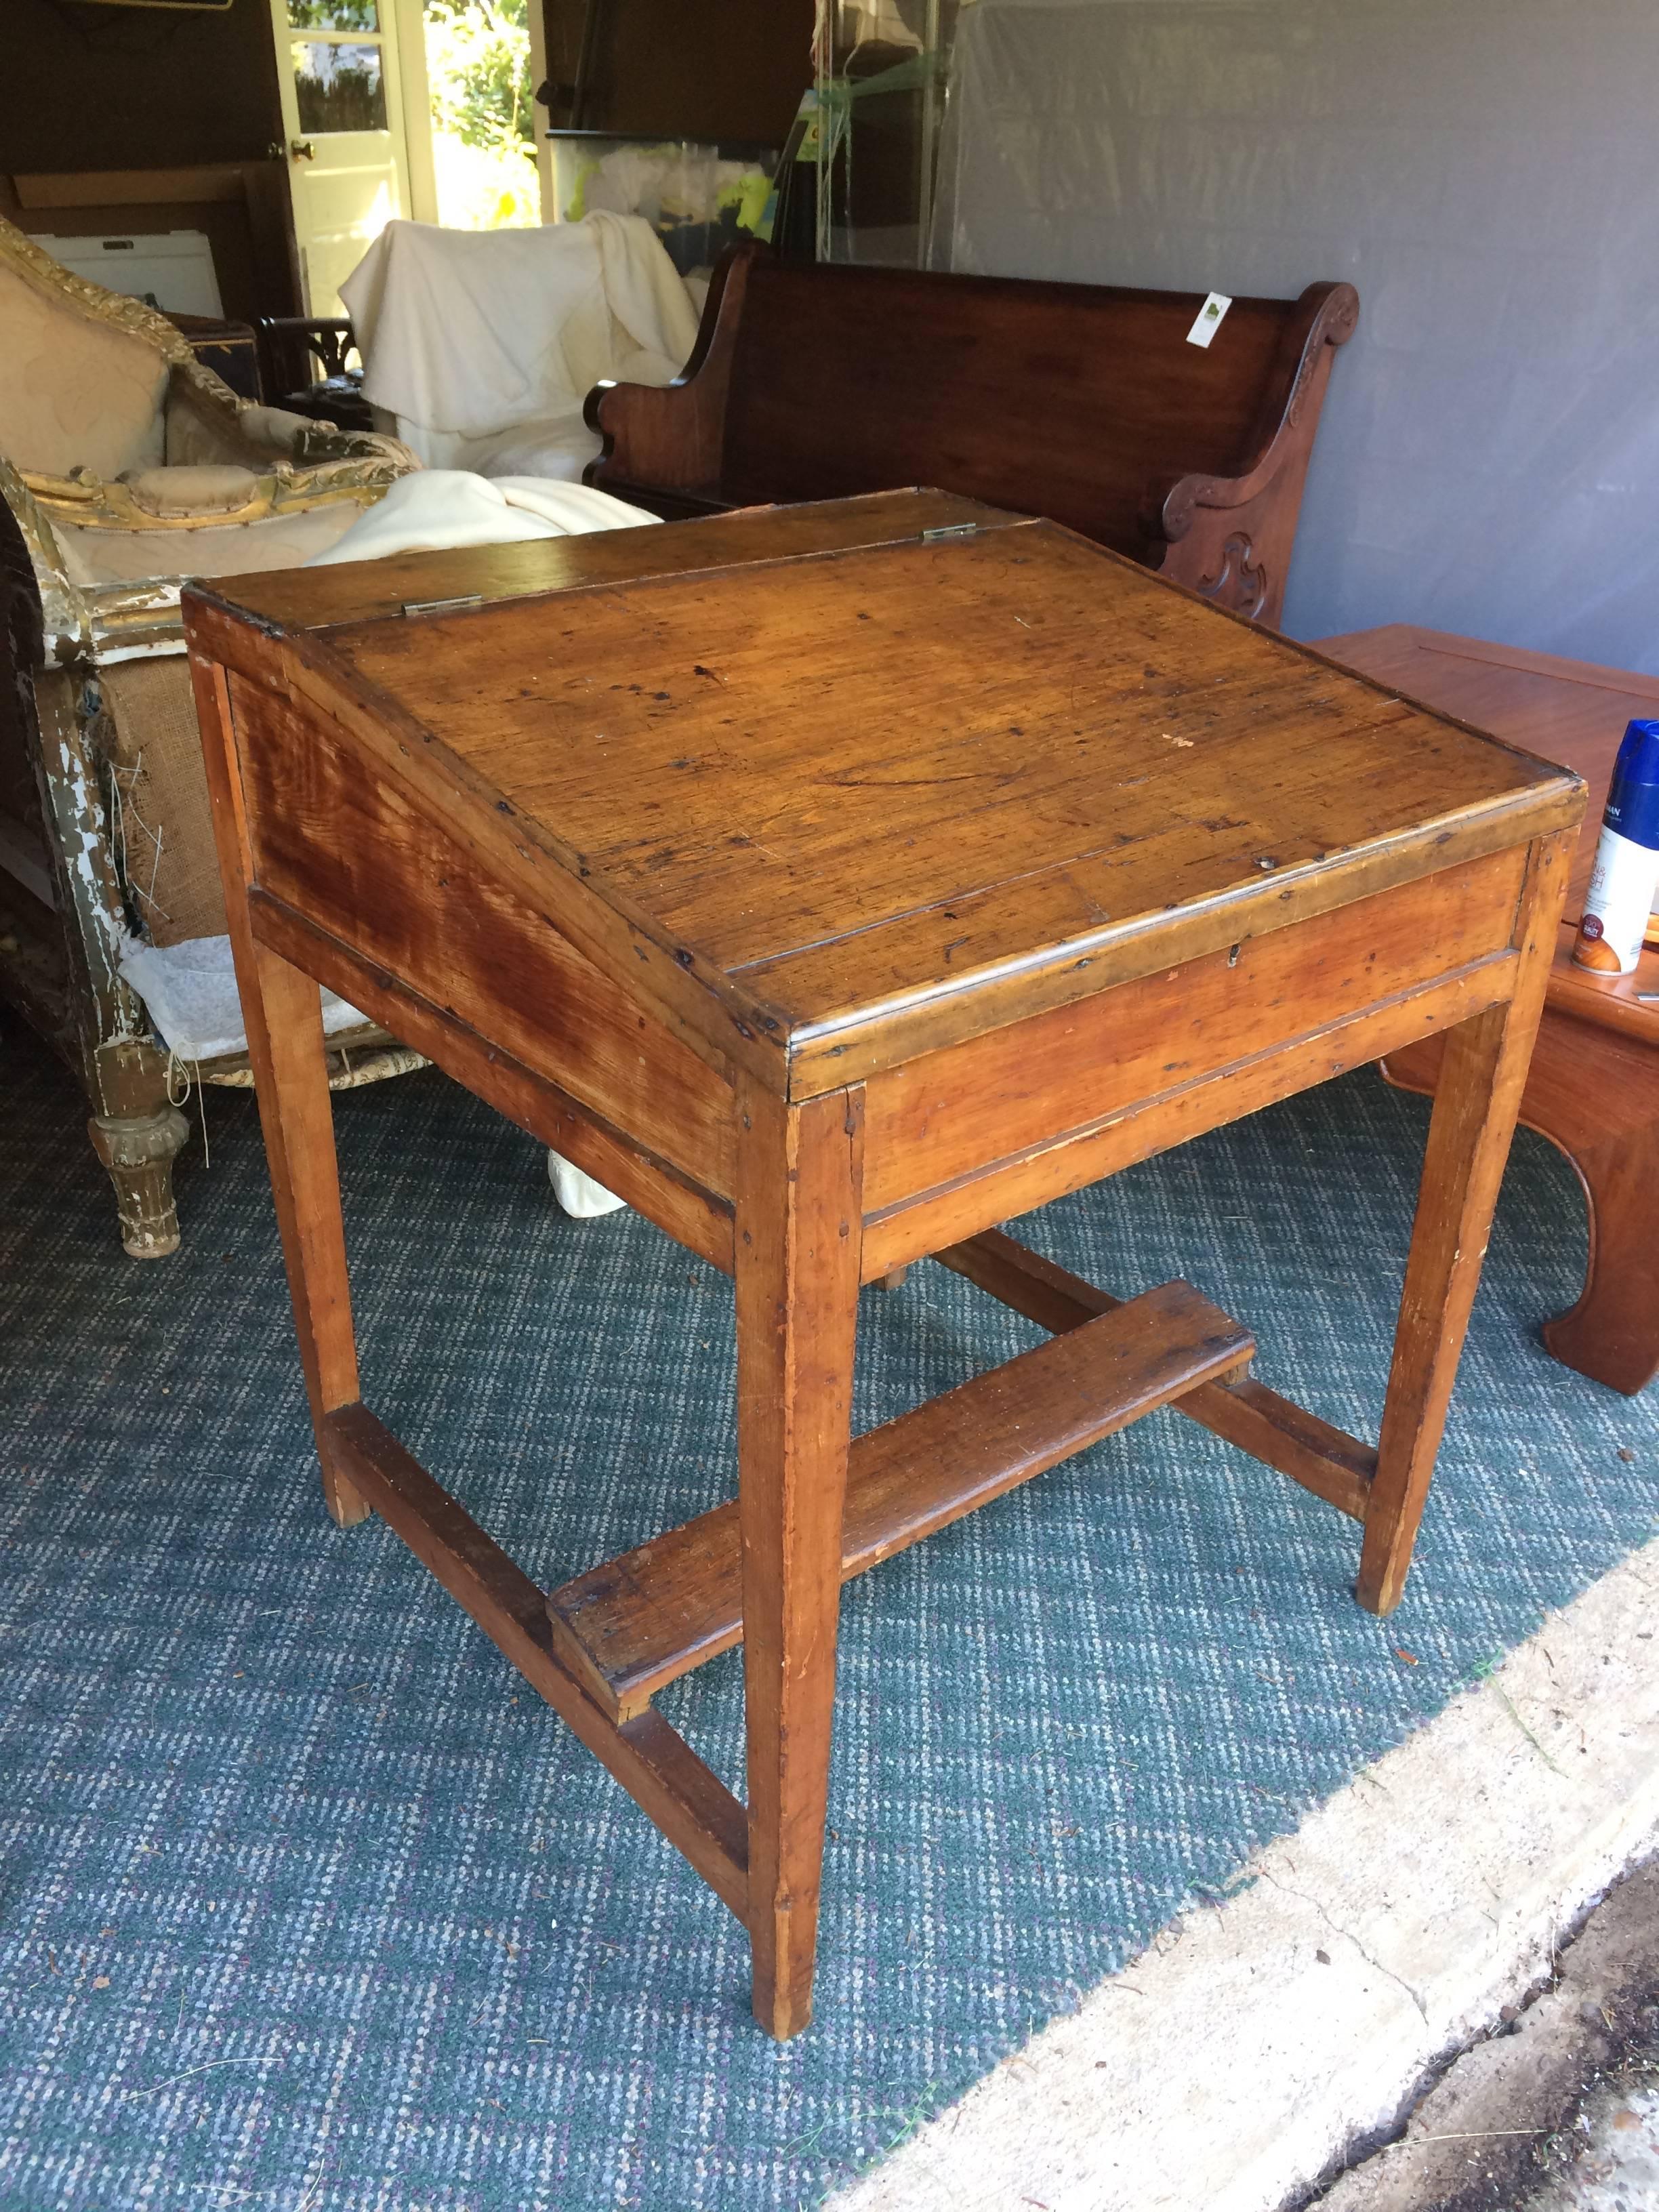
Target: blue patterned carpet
[307,1903]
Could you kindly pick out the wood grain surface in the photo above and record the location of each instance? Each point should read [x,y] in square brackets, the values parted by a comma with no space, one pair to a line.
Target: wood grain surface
[799,1206]
[1333,1465]
[314,815]
[362,591]
[957,1112]
[282,1008]
[1593,1092]
[870,801]
[1570,712]
[1475,1104]
[1084,402]
[1573,713]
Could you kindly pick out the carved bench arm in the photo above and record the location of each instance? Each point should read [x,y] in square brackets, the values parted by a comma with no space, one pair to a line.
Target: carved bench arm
[1173,504]
[1231,537]
[672,437]
[1284,437]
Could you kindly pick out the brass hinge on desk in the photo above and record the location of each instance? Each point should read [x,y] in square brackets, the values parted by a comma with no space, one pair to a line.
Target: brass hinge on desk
[412,607]
[950,530]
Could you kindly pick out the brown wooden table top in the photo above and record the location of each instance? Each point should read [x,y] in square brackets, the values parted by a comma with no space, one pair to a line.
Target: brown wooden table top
[1570,711]
[864,790]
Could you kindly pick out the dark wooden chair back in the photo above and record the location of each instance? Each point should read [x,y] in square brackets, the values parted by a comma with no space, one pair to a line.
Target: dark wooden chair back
[293,348]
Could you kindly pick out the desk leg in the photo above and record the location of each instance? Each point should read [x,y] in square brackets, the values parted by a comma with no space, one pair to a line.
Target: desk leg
[799,1210]
[291,1072]
[282,1009]
[1482,1075]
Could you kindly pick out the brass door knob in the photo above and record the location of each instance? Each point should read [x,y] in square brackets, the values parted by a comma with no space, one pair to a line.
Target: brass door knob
[302,150]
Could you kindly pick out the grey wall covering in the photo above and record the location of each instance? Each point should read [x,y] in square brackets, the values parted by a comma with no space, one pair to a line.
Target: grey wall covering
[1486,172]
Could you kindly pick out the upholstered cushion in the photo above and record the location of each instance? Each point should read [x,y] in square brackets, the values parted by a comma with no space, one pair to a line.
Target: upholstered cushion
[74,393]
[202,490]
[200,433]
[232,548]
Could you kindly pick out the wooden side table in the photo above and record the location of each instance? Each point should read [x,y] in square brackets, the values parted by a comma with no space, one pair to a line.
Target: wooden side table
[835,883]
[1593,1086]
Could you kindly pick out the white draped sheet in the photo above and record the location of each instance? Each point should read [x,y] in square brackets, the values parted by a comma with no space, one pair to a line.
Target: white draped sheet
[483,345]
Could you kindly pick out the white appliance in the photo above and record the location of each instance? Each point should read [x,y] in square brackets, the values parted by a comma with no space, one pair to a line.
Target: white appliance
[173,267]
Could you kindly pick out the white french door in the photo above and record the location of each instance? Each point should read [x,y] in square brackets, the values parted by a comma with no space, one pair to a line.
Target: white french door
[352,83]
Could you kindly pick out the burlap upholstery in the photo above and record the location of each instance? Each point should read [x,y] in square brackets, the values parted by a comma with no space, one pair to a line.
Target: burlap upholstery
[167,859]
[109,421]
[129,468]
[76,393]
[198,434]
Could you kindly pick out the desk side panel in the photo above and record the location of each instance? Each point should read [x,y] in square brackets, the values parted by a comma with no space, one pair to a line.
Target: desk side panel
[336,843]
[1016,1117]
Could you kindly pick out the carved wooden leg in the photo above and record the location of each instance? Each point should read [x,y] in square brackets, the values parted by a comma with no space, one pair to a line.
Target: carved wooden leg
[139,1153]
[1611,1333]
[283,1012]
[1482,1073]
[798,1220]
[137,1133]
[1594,1094]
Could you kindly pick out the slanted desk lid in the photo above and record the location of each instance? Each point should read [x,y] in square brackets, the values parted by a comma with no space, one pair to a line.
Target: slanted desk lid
[849,786]
[486,575]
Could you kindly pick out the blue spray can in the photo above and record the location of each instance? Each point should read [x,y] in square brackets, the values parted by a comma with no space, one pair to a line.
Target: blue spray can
[1620,898]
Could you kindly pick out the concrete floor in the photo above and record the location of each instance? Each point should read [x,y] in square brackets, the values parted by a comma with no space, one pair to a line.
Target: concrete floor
[1519,2119]
[1259,2049]
[1617,2170]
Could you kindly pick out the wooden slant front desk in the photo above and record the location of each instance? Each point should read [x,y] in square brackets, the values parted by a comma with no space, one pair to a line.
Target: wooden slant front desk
[834,884]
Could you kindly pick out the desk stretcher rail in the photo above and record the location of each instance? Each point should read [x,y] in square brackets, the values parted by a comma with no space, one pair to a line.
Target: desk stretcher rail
[629,1627]
[1327,1461]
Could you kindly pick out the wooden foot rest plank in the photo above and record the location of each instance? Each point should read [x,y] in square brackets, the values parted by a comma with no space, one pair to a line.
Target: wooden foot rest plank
[687,1801]
[638,1622]
[1327,1461]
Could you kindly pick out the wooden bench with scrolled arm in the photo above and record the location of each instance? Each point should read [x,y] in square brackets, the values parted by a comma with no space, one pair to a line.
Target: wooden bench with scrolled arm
[1085,403]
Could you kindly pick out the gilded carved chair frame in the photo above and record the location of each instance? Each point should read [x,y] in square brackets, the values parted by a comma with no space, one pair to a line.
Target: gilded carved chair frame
[65,911]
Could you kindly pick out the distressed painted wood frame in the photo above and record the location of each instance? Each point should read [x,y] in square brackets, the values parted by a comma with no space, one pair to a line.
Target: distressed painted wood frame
[64,907]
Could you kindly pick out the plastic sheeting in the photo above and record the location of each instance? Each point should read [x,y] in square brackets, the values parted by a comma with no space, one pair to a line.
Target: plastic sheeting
[189,991]
[1484,171]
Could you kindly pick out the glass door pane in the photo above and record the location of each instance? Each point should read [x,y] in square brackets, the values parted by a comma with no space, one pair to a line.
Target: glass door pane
[334,15]
[338,86]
